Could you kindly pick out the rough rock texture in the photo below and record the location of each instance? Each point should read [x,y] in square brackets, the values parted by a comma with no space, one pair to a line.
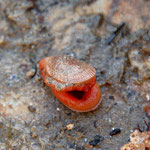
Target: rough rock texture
[139,141]
[92,31]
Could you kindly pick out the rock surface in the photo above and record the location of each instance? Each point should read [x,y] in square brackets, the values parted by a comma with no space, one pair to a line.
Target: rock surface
[92,31]
[139,141]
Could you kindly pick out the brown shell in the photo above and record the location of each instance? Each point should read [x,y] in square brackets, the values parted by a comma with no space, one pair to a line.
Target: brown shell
[66,69]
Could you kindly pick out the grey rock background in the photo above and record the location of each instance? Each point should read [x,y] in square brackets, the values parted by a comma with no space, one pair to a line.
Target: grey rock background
[31,118]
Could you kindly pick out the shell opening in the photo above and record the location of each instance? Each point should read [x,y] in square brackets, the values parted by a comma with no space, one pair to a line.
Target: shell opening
[77,94]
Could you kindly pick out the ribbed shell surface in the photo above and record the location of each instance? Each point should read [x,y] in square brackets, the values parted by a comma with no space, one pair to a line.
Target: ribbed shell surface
[66,69]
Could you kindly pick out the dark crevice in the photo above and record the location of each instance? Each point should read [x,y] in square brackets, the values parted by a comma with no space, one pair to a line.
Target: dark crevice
[77,94]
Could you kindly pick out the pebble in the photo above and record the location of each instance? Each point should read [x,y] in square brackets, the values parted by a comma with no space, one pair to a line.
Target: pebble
[147,97]
[69,126]
[30,73]
[34,135]
[111,97]
[32,129]
[58,109]
[31,108]
[115,131]
[85,139]
[97,139]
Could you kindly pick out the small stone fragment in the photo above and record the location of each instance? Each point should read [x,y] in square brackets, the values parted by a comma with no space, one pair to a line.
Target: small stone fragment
[148,97]
[31,108]
[30,73]
[34,135]
[58,109]
[69,126]
[97,139]
[111,97]
[32,129]
[115,131]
